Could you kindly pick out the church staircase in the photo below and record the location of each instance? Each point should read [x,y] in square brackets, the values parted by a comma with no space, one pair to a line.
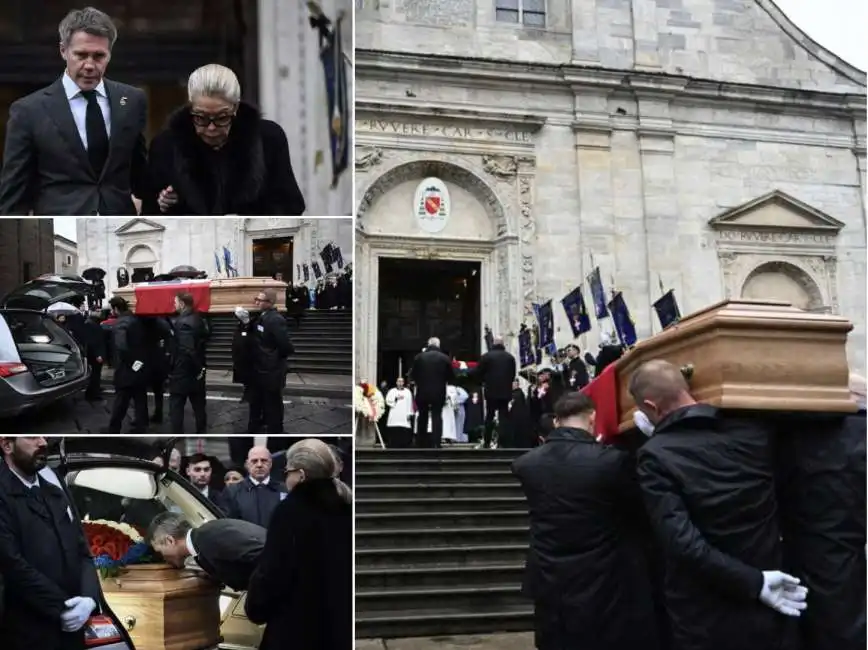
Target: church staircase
[323,343]
[441,539]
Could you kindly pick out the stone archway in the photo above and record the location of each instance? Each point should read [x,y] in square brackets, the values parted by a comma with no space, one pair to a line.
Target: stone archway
[446,171]
[494,242]
[783,281]
[142,257]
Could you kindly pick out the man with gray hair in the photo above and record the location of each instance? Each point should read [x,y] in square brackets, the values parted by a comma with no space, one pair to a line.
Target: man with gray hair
[77,147]
[432,371]
[225,549]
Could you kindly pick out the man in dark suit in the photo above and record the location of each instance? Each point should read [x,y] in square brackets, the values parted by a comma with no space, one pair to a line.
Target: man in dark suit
[496,371]
[50,582]
[432,371]
[76,147]
[255,498]
[131,365]
[225,549]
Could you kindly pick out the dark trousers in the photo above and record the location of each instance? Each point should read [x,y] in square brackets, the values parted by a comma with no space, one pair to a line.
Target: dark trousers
[177,402]
[270,404]
[435,412]
[93,390]
[492,406]
[156,387]
[123,396]
[398,437]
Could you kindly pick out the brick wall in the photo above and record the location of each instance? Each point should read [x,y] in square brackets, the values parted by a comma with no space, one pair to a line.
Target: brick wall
[25,244]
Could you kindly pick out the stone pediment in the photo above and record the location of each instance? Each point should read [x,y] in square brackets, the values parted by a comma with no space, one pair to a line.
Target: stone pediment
[140,227]
[776,211]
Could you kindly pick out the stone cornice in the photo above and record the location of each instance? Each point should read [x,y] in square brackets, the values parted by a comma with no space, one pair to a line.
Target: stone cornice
[448,70]
[425,110]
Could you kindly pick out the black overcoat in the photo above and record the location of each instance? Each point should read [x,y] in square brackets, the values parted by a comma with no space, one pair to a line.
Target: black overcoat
[250,176]
[302,588]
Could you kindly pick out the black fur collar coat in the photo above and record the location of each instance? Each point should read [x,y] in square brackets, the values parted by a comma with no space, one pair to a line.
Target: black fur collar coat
[250,176]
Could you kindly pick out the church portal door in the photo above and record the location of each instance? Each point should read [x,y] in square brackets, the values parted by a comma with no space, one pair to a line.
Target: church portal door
[272,256]
[419,299]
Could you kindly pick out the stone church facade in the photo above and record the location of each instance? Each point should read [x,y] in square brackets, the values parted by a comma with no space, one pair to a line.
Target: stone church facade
[162,244]
[708,146]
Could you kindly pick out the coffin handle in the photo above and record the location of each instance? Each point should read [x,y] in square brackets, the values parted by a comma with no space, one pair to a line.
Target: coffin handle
[129,623]
[687,371]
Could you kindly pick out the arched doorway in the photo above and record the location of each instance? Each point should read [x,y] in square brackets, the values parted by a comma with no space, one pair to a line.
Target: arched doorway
[142,263]
[783,281]
[413,284]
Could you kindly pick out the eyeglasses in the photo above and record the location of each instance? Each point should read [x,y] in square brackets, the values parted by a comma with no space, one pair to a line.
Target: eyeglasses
[290,470]
[261,300]
[217,120]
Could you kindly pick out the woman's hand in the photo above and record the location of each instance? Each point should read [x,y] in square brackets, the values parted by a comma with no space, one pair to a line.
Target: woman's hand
[167,199]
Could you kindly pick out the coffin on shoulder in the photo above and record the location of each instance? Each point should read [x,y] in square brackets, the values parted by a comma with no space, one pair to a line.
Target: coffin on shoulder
[752,355]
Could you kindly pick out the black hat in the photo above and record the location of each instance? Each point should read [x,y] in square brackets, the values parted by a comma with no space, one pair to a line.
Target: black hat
[573,346]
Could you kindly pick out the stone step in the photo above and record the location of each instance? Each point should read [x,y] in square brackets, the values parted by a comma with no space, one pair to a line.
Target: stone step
[442,537]
[449,453]
[426,504]
[369,463]
[491,598]
[434,520]
[440,556]
[446,620]
[448,576]
[435,491]
[434,479]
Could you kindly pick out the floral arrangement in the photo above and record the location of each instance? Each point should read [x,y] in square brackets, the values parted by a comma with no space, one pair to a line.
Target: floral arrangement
[115,545]
[368,402]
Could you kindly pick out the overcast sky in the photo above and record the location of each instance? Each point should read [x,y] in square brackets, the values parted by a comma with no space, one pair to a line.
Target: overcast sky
[838,25]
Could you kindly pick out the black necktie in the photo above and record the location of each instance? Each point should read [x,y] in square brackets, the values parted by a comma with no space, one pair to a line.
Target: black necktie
[97,138]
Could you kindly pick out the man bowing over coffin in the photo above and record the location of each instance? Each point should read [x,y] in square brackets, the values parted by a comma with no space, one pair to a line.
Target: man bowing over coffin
[226,549]
[76,147]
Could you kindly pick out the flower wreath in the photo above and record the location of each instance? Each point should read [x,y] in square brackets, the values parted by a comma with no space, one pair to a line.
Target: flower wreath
[368,402]
[115,545]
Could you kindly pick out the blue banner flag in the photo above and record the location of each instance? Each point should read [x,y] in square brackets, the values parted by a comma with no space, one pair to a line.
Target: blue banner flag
[577,313]
[334,65]
[546,325]
[667,309]
[317,271]
[231,271]
[306,270]
[217,262]
[624,324]
[598,294]
[525,347]
[338,257]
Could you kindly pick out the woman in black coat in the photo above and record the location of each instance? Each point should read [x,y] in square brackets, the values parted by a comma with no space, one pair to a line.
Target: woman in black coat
[218,156]
[302,587]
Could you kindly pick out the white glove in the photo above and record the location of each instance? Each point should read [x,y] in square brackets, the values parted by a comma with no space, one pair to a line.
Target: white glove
[643,423]
[77,614]
[783,593]
[137,365]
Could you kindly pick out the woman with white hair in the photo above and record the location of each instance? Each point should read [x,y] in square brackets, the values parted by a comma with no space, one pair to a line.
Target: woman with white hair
[302,588]
[218,156]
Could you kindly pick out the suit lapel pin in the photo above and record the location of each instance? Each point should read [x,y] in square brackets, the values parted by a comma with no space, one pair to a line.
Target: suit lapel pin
[123,101]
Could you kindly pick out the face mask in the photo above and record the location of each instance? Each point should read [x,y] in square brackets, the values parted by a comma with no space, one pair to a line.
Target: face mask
[643,423]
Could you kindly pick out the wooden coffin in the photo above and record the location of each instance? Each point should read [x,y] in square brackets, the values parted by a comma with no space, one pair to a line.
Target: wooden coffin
[226,293]
[756,355]
[164,608]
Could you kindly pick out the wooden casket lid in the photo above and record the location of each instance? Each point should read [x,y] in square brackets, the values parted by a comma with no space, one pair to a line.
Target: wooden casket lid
[158,579]
[753,355]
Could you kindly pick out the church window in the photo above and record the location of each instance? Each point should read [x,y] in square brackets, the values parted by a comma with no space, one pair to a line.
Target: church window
[530,13]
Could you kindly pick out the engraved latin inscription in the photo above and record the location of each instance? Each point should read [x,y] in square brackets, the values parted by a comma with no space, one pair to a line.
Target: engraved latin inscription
[424,129]
[751,236]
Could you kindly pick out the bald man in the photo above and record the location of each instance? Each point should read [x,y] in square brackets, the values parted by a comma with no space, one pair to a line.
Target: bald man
[708,486]
[255,498]
[270,347]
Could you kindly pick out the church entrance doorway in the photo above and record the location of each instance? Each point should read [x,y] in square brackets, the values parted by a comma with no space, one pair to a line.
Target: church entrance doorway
[272,256]
[419,299]
[143,274]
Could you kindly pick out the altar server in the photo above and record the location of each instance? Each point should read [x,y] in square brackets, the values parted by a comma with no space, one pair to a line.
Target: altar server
[399,424]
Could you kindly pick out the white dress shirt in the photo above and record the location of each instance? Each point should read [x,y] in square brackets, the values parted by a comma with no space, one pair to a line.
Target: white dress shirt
[189,541]
[258,483]
[78,106]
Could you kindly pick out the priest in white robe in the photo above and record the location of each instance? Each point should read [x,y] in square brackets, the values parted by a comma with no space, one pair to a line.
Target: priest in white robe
[460,414]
